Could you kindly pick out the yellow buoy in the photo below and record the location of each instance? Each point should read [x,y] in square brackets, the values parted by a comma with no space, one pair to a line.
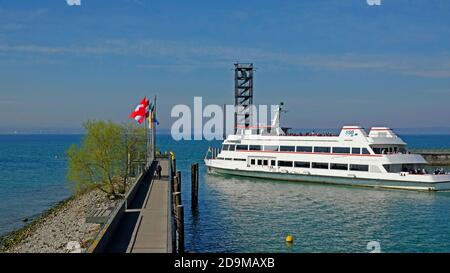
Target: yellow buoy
[289,239]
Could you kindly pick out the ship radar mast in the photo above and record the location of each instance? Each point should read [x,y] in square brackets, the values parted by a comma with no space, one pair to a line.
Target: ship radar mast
[275,126]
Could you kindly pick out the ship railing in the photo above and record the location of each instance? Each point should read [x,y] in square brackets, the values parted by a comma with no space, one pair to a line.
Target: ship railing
[437,171]
[212,153]
[313,134]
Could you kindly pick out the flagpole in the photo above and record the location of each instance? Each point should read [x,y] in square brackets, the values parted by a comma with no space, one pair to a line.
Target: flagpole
[154,127]
[146,142]
[141,111]
[150,137]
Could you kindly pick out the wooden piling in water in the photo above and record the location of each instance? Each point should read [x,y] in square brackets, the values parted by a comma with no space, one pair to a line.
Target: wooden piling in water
[174,183]
[174,161]
[179,179]
[180,227]
[177,198]
[177,183]
[194,185]
[178,210]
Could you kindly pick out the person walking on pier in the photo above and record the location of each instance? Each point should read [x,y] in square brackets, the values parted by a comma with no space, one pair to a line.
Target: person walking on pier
[158,171]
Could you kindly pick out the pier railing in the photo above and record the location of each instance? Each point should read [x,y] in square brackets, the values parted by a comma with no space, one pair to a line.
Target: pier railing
[171,239]
[123,231]
[104,236]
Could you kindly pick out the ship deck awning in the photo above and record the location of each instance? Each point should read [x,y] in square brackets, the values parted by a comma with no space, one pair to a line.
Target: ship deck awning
[386,141]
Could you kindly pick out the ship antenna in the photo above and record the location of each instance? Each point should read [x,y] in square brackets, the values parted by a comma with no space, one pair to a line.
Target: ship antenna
[276,119]
[281,107]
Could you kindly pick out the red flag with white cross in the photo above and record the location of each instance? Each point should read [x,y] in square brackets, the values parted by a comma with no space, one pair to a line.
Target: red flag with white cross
[141,111]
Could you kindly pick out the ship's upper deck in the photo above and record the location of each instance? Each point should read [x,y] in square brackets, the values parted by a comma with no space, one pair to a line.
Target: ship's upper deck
[354,134]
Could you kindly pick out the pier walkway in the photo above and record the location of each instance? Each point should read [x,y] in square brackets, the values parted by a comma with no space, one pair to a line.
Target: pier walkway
[152,231]
[144,221]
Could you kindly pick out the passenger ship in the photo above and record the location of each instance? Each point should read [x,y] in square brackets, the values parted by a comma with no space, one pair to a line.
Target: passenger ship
[377,159]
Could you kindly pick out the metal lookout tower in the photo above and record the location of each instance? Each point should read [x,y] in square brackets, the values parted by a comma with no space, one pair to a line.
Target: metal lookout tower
[243,94]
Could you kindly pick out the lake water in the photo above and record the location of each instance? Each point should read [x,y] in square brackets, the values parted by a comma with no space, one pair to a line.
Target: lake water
[245,215]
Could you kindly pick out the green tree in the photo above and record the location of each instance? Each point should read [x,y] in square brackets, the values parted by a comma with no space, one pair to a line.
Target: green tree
[104,158]
[134,141]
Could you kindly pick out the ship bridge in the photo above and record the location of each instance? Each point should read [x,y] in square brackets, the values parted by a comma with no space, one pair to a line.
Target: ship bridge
[382,132]
[384,141]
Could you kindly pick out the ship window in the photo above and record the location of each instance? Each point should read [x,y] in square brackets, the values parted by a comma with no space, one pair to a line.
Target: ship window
[255,147]
[319,165]
[336,166]
[228,159]
[265,162]
[232,148]
[361,168]
[225,147]
[341,150]
[219,158]
[322,149]
[239,159]
[270,148]
[259,161]
[364,151]
[299,164]
[285,163]
[356,151]
[273,162]
[252,161]
[242,147]
[287,148]
[304,149]
[377,151]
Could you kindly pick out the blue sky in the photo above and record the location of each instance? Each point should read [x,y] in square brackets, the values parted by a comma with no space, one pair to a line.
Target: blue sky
[332,62]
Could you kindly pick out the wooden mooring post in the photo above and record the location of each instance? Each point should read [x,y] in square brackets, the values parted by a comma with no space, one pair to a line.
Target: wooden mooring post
[174,168]
[180,228]
[177,182]
[194,185]
[179,211]
[177,198]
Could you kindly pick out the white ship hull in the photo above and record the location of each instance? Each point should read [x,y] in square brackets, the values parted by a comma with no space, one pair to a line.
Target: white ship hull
[353,158]
[353,180]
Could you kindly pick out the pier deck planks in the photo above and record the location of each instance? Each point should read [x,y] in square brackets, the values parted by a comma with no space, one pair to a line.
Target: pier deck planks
[152,231]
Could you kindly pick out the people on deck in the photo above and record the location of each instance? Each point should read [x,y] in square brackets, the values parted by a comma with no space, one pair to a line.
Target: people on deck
[439,171]
[158,171]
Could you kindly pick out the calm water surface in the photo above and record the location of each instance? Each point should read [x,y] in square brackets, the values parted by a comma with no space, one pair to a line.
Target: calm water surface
[246,215]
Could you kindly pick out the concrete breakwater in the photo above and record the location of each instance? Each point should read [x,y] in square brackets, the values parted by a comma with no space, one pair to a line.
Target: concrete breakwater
[435,157]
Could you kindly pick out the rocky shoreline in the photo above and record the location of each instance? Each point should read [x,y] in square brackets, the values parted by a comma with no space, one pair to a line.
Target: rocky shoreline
[60,228]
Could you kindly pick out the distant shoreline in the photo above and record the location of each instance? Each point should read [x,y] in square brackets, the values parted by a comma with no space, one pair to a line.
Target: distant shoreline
[401,131]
